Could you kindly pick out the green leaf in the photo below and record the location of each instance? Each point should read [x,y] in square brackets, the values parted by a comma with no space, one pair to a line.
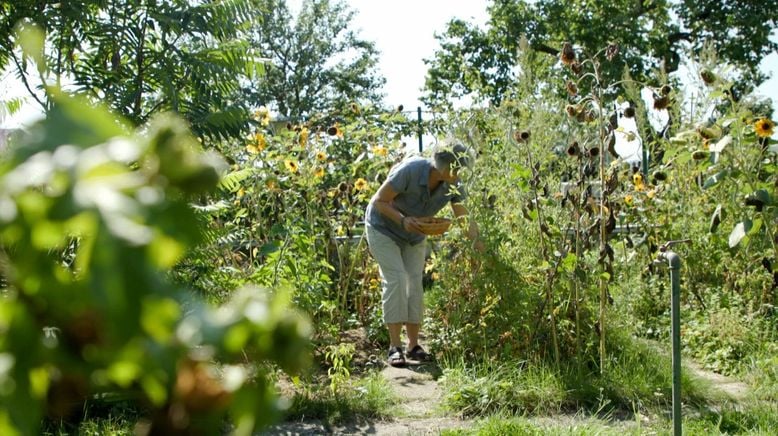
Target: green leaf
[124,372]
[165,251]
[569,262]
[756,227]
[270,247]
[715,179]
[763,196]
[716,218]
[159,317]
[32,40]
[739,232]
[236,337]
[154,389]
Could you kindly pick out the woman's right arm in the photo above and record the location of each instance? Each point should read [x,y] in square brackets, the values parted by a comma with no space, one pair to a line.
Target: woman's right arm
[383,202]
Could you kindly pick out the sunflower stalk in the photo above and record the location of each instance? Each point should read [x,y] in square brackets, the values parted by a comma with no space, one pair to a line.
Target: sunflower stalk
[550,273]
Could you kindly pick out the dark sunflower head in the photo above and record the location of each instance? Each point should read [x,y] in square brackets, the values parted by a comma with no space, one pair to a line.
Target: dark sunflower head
[573,149]
[568,54]
[661,102]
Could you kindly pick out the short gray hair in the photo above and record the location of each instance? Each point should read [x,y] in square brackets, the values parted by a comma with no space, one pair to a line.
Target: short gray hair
[452,152]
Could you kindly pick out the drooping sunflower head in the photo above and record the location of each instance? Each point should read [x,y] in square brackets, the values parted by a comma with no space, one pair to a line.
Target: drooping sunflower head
[572,88]
[764,127]
[568,54]
[661,102]
[611,51]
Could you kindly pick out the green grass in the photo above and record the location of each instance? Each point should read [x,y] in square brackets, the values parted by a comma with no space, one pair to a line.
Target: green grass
[98,420]
[370,397]
[523,426]
[479,390]
[754,420]
[638,378]
[536,399]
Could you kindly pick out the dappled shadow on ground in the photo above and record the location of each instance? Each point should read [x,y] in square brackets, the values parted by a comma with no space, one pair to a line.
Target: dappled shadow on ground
[423,426]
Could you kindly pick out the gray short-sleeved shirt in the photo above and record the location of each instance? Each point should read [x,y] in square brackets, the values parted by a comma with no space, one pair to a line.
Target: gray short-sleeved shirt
[410,180]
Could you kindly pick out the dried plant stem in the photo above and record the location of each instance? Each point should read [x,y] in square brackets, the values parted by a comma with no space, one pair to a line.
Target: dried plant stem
[550,274]
[602,134]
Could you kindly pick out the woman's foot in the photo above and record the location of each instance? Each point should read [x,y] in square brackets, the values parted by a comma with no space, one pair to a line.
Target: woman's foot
[418,353]
[396,357]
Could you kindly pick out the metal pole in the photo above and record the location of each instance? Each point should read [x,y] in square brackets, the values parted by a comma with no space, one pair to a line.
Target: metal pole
[418,124]
[675,279]
[674,262]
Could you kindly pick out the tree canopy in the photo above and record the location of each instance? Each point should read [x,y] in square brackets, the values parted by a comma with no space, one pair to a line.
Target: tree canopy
[141,57]
[651,35]
[317,62]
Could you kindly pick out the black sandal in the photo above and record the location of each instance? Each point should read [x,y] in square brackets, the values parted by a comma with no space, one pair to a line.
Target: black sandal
[418,353]
[396,357]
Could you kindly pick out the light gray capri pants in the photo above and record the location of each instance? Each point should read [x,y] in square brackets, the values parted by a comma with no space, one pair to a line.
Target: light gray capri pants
[402,268]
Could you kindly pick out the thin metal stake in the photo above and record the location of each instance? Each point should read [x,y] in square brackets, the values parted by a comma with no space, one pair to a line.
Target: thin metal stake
[418,123]
[674,262]
[675,279]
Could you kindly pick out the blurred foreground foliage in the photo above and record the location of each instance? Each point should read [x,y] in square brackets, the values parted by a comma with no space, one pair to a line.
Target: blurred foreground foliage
[92,215]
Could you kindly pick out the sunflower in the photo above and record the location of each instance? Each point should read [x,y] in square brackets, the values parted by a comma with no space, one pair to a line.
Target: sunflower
[321,156]
[304,133]
[252,149]
[318,172]
[764,127]
[380,151]
[260,141]
[263,116]
[291,165]
[360,184]
[628,200]
[637,179]
[335,130]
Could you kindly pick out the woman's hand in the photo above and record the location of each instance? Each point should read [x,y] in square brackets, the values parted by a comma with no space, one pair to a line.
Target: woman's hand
[411,224]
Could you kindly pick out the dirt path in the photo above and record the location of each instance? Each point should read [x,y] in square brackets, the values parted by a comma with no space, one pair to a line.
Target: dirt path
[418,410]
[736,390]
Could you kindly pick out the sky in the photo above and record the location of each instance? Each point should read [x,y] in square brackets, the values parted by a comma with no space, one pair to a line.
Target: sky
[403,31]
